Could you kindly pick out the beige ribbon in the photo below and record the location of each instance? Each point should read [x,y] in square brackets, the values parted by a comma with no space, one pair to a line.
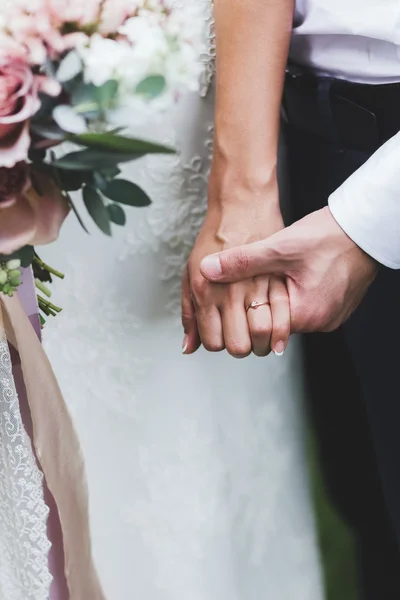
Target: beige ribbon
[57,449]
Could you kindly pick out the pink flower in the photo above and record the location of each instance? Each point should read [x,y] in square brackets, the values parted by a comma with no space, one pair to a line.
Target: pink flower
[115,12]
[83,12]
[28,215]
[18,103]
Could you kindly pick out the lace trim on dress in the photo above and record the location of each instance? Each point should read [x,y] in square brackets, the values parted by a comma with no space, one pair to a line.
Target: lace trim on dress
[24,546]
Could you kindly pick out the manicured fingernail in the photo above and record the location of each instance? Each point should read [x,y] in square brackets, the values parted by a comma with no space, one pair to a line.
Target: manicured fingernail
[279,348]
[185,343]
[211,266]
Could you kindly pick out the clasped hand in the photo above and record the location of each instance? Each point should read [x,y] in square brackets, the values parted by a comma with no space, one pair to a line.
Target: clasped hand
[311,277]
[250,315]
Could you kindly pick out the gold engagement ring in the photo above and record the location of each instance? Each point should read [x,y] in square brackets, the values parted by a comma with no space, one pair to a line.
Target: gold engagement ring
[255,304]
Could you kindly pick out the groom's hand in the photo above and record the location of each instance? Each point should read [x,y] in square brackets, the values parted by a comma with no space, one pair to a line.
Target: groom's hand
[327,274]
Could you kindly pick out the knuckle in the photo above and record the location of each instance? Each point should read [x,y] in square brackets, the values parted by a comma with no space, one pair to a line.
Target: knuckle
[262,353]
[237,262]
[187,319]
[200,289]
[213,345]
[260,331]
[239,349]
[281,330]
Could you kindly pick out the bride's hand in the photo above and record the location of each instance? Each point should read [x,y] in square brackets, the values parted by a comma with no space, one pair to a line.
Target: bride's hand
[218,315]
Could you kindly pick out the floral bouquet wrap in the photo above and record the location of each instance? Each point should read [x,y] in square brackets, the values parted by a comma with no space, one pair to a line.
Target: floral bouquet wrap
[66,68]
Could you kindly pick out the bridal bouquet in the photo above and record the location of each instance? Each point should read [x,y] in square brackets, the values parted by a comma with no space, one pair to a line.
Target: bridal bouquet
[66,66]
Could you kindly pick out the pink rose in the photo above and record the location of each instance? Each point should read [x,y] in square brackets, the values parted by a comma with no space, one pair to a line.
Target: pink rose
[18,103]
[28,215]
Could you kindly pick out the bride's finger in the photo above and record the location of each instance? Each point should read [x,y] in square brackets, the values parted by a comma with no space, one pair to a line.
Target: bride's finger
[260,325]
[280,311]
[210,328]
[236,330]
[259,316]
[191,338]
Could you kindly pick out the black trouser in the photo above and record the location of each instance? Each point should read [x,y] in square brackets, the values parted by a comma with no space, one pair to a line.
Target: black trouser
[353,373]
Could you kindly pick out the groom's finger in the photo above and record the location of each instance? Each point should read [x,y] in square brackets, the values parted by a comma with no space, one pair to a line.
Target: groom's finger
[280,310]
[260,258]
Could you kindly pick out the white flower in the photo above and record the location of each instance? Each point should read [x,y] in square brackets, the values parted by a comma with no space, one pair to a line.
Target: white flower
[147,38]
[154,41]
[104,59]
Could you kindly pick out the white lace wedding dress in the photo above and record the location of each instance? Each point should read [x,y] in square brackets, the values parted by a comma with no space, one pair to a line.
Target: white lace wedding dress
[196,465]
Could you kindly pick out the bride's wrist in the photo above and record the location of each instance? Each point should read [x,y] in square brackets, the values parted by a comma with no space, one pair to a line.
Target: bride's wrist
[243,221]
[237,172]
[233,186]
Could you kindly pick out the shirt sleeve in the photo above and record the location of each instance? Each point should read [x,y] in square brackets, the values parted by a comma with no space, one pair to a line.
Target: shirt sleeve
[367,205]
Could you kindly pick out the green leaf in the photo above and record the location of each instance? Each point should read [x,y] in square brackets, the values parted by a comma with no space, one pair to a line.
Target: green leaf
[51,132]
[126,192]
[110,173]
[69,120]
[83,98]
[151,86]
[119,143]
[47,104]
[72,181]
[70,67]
[116,214]
[78,216]
[106,93]
[24,254]
[96,209]
[83,94]
[36,156]
[99,180]
[96,160]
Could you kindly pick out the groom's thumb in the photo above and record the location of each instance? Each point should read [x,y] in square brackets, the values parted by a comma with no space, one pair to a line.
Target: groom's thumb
[260,258]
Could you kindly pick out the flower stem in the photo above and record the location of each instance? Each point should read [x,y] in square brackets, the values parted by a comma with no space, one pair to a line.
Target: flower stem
[44,289]
[48,304]
[43,265]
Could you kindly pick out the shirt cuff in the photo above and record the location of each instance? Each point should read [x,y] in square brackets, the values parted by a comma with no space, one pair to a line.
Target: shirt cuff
[367,205]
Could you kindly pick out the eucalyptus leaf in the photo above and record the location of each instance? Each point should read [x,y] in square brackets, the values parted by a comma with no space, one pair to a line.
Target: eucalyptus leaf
[49,132]
[78,216]
[110,173]
[99,180]
[126,192]
[47,104]
[68,120]
[36,156]
[151,86]
[119,143]
[83,93]
[91,159]
[69,67]
[97,209]
[83,98]
[72,181]
[116,214]
[106,93]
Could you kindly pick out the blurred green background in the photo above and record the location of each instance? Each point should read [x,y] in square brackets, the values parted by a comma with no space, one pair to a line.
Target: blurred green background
[335,541]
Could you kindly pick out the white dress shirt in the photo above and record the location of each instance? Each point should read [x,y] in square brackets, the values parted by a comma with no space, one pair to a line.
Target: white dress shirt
[359,40]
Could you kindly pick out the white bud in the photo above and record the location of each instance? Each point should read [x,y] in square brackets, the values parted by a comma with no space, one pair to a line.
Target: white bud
[15,263]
